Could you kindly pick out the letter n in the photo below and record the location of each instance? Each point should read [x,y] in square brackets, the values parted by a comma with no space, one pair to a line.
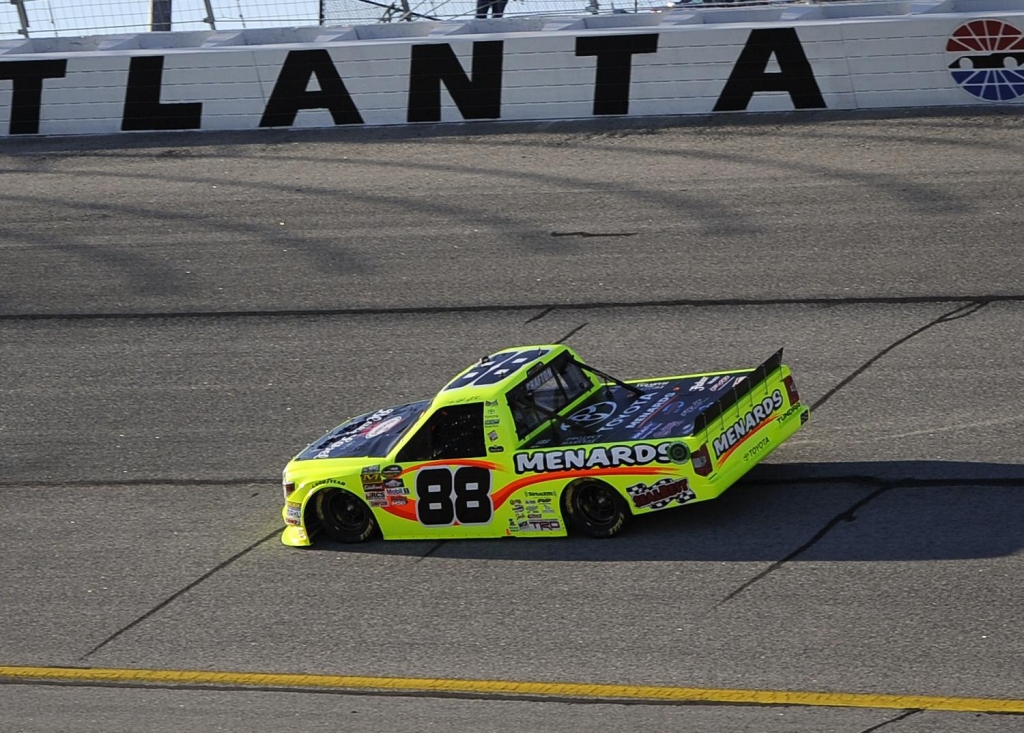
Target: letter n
[291,91]
[142,107]
[478,97]
[749,75]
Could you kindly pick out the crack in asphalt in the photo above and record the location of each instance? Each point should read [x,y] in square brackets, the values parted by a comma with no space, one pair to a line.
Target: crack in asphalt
[881,486]
[177,594]
[847,515]
[437,546]
[902,716]
[518,307]
[961,312]
[571,333]
[594,234]
[540,315]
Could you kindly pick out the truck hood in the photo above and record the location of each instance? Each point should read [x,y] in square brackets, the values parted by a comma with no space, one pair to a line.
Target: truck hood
[372,435]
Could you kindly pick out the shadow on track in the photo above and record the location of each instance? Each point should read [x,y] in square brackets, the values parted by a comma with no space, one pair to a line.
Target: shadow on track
[827,512]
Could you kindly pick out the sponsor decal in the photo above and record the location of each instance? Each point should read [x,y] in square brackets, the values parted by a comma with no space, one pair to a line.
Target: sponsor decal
[373,487]
[492,421]
[372,427]
[300,534]
[538,525]
[491,403]
[661,493]
[294,513]
[495,449]
[377,498]
[788,414]
[321,482]
[606,414]
[536,381]
[384,427]
[641,411]
[492,436]
[756,449]
[344,440]
[719,384]
[698,386]
[651,386]
[669,429]
[568,459]
[399,501]
[986,57]
[591,414]
[535,493]
[682,409]
[394,483]
[749,422]
[391,471]
[397,491]
[374,469]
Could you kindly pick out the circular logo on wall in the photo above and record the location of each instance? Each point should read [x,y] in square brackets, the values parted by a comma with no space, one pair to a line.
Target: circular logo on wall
[989,59]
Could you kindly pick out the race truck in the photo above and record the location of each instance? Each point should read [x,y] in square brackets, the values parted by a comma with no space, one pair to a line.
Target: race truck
[533,442]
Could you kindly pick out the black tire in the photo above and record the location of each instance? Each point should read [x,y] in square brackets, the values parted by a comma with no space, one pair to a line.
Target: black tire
[343,516]
[595,509]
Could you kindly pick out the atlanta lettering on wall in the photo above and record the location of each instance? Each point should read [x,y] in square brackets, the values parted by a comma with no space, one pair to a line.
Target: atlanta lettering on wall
[309,79]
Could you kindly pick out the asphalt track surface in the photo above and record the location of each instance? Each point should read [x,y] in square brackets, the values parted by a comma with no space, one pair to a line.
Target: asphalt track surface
[180,314]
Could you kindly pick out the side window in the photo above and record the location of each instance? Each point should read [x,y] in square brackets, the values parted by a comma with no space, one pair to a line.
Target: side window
[451,432]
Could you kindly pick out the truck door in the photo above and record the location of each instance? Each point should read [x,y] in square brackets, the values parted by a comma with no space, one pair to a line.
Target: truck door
[443,482]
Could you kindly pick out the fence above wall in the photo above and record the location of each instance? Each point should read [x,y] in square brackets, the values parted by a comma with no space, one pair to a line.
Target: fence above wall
[62,18]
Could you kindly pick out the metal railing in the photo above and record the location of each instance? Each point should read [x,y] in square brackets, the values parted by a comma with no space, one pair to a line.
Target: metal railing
[49,18]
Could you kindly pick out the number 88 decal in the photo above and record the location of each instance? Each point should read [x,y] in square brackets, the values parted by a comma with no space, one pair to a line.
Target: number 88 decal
[444,497]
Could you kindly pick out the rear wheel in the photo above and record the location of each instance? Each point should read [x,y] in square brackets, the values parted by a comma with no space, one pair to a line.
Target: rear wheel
[595,509]
[344,516]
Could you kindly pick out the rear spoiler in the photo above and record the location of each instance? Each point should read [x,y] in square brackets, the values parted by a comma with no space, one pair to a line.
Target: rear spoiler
[738,391]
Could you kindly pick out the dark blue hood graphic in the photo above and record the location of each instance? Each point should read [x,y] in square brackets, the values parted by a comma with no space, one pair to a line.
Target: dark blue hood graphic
[372,435]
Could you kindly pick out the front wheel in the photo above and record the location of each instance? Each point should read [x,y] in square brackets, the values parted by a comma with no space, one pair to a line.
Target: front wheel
[595,509]
[344,516]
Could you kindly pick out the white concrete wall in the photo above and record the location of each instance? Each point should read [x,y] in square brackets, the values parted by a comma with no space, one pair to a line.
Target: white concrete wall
[856,63]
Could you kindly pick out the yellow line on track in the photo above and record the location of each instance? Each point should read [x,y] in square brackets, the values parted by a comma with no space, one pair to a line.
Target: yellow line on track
[561,690]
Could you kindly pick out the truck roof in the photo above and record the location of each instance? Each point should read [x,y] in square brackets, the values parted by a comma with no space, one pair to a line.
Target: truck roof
[492,376]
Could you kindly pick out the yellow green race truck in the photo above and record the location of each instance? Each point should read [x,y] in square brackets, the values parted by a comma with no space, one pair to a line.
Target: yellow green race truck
[533,442]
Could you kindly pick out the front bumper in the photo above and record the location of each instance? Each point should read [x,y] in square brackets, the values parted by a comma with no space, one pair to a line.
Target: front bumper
[295,537]
[295,534]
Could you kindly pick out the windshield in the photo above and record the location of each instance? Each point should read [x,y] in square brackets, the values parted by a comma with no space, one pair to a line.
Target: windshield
[547,391]
[372,435]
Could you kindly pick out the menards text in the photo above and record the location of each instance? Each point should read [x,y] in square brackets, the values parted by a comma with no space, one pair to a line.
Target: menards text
[569,459]
[749,422]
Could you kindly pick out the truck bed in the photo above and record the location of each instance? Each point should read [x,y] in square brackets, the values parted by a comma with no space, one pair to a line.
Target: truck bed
[666,409]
